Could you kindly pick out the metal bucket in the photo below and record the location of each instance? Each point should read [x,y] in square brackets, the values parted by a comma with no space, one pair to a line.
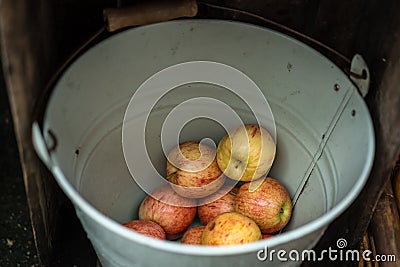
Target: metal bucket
[325,139]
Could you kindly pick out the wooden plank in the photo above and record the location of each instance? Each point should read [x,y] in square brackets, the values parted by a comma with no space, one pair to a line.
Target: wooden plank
[36,36]
[396,184]
[385,229]
[26,47]
[367,244]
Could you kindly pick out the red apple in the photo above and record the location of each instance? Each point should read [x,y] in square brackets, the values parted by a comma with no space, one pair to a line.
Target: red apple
[221,201]
[147,228]
[171,211]
[266,236]
[269,205]
[230,228]
[193,235]
[193,170]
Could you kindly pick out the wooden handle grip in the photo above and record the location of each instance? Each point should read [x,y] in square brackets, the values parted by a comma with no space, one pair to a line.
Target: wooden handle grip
[147,13]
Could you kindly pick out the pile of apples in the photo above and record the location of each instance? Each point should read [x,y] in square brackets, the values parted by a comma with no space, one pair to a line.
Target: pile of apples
[226,189]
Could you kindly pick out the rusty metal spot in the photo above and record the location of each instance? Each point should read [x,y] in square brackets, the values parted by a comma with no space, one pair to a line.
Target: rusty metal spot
[336,87]
[289,66]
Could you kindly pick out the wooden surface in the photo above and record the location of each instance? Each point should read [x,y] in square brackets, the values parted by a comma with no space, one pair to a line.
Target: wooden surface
[367,244]
[26,52]
[35,37]
[385,228]
[396,184]
[382,237]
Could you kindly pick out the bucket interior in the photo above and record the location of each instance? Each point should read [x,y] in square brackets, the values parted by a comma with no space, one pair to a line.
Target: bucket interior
[324,134]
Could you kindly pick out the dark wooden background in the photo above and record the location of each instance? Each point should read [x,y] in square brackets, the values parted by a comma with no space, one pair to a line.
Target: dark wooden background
[38,35]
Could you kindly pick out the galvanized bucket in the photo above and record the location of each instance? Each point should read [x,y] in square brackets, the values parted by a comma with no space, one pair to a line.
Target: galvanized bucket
[325,139]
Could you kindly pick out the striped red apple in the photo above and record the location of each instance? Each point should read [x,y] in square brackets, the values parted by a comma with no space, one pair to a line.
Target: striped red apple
[193,171]
[193,235]
[269,205]
[171,211]
[147,228]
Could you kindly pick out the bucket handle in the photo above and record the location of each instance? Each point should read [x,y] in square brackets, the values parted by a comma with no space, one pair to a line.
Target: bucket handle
[148,12]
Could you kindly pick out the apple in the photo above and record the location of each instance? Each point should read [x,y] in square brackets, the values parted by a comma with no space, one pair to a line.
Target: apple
[171,211]
[246,153]
[230,228]
[266,236]
[193,235]
[221,201]
[193,171]
[147,228]
[269,205]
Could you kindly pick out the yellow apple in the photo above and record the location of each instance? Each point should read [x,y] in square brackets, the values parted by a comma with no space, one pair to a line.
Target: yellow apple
[246,153]
[230,228]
